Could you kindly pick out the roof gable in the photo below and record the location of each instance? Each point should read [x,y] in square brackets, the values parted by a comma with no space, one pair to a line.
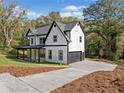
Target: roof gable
[46,29]
[61,28]
[27,32]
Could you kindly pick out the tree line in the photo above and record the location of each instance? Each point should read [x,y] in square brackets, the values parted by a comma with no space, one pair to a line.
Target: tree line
[103,24]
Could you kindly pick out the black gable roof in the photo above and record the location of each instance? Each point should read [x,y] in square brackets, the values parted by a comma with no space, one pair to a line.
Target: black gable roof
[45,29]
[42,30]
[69,26]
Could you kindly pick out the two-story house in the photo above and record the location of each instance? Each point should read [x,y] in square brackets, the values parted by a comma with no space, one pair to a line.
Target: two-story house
[58,42]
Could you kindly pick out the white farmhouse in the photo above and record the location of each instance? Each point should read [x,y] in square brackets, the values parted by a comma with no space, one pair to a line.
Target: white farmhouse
[58,42]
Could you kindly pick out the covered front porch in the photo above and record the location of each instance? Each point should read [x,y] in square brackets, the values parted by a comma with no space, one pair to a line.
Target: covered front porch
[31,53]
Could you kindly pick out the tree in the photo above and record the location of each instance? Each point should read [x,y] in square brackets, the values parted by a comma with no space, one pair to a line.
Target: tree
[105,19]
[11,24]
[55,16]
[69,19]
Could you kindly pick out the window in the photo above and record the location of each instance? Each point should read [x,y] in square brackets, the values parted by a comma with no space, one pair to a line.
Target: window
[55,38]
[60,53]
[50,54]
[41,40]
[80,39]
[32,40]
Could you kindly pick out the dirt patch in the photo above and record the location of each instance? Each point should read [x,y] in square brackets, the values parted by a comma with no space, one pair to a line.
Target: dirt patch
[97,82]
[24,71]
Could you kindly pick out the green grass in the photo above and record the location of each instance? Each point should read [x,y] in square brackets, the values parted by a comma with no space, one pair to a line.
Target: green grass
[5,61]
[10,60]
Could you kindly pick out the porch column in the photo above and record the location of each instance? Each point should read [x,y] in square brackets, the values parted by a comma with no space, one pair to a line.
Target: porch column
[39,55]
[35,55]
[23,54]
[17,54]
[30,54]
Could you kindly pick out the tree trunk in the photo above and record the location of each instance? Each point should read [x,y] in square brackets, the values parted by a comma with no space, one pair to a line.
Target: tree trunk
[4,42]
[8,43]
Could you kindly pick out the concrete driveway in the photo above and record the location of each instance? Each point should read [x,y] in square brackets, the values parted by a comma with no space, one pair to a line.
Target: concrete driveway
[11,84]
[92,66]
[46,82]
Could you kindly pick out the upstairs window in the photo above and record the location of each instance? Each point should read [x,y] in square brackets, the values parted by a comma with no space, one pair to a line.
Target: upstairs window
[41,40]
[80,39]
[50,54]
[60,54]
[32,41]
[55,38]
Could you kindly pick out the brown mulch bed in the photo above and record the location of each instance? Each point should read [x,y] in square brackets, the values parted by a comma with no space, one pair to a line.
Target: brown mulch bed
[97,82]
[24,71]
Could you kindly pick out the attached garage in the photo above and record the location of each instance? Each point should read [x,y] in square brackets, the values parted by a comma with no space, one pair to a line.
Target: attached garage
[75,56]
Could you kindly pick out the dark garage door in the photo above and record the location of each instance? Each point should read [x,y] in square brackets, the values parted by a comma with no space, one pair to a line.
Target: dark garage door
[74,57]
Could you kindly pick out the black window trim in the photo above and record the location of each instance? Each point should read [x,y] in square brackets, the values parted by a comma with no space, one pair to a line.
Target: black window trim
[49,54]
[60,57]
[80,39]
[55,38]
[41,40]
[32,41]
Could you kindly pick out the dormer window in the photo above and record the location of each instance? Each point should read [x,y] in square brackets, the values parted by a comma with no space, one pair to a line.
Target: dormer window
[32,41]
[41,40]
[54,38]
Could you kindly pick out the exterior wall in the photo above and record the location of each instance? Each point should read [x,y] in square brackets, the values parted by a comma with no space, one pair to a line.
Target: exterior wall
[75,34]
[60,38]
[55,54]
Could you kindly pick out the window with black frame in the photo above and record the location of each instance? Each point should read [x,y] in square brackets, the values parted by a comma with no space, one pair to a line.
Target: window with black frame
[80,39]
[50,54]
[41,41]
[60,53]
[54,38]
[32,41]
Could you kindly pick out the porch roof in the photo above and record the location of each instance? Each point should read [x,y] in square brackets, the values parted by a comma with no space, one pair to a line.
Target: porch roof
[30,47]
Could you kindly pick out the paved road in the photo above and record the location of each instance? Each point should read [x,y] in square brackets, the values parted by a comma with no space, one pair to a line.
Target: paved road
[46,82]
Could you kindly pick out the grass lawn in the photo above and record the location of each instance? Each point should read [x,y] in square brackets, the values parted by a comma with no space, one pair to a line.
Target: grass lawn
[10,60]
[9,64]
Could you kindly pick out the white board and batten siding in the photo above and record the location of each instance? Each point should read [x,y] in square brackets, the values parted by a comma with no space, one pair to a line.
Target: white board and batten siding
[75,44]
[61,39]
[55,57]
[55,48]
